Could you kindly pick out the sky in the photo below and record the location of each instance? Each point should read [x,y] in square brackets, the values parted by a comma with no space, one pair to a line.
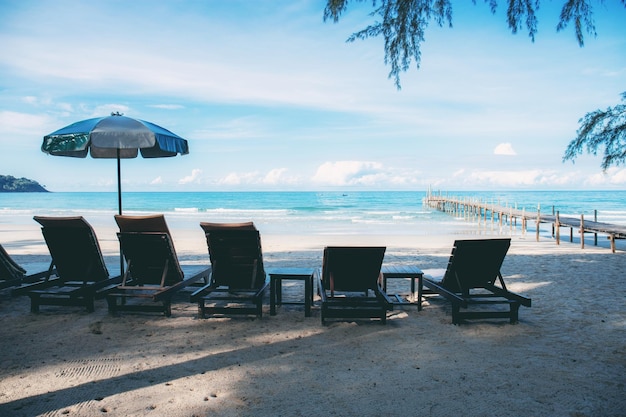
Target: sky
[271,97]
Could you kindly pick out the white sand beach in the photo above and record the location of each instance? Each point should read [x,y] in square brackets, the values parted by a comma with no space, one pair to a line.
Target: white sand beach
[565,357]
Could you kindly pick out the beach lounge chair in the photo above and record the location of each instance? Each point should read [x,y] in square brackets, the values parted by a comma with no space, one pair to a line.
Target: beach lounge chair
[13,275]
[238,279]
[153,272]
[347,277]
[470,280]
[79,264]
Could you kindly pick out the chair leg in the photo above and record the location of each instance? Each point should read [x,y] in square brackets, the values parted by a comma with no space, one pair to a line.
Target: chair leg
[514,313]
[112,303]
[456,313]
[89,303]
[200,309]
[34,303]
[167,307]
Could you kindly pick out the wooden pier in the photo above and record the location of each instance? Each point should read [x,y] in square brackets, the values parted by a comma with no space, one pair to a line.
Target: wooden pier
[480,211]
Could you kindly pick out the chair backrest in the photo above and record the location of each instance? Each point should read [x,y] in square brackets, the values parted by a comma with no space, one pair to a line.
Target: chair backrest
[151,258]
[9,269]
[74,248]
[150,223]
[474,263]
[146,242]
[352,268]
[208,227]
[236,255]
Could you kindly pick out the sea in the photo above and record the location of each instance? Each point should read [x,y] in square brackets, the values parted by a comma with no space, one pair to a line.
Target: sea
[307,212]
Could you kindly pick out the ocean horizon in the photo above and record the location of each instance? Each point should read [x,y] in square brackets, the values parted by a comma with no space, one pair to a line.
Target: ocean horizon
[308,212]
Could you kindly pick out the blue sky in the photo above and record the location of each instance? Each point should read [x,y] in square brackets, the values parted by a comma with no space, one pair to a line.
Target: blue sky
[270,97]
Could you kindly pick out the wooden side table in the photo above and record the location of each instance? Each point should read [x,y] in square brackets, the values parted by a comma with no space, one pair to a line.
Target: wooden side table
[414,273]
[278,275]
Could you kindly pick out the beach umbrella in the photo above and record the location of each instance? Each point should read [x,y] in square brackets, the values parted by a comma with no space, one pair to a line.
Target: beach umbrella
[115,136]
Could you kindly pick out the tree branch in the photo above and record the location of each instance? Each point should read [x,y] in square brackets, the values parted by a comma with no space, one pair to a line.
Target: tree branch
[403,23]
[601,129]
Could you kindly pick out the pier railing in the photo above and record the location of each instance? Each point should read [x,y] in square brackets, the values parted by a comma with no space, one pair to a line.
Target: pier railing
[481,211]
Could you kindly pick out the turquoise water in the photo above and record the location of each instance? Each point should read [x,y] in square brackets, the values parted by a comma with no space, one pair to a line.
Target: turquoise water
[307,212]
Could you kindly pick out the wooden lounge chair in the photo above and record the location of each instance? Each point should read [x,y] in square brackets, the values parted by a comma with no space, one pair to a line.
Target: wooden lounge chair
[79,264]
[152,269]
[238,279]
[347,276]
[13,275]
[470,280]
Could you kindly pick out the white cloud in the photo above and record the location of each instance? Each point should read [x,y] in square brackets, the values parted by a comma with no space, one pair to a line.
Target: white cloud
[22,123]
[612,176]
[617,176]
[509,178]
[504,149]
[157,181]
[195,175]
[274,176]
[348,173]
[235,178]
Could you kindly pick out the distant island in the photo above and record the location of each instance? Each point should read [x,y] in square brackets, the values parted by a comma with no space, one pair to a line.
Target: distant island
[9,184]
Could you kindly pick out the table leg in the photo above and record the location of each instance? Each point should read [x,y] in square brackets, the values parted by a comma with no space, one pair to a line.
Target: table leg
[272,296]
[308,296]
[419,292]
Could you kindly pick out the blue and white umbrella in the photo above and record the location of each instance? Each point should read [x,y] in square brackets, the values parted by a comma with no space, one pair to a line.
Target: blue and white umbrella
[114,136]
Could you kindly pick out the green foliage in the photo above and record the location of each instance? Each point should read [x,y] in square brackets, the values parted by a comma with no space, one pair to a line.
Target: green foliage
[9,184]
[602,129]
[403,23]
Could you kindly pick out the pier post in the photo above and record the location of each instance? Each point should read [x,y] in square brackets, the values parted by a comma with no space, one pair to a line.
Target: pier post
[582,231]
[485,208]
[595,235]
[557,227]
[612,239]
[538,222]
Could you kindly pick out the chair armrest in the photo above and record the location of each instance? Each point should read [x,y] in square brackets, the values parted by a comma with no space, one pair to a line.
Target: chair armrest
[383,295]
[320,285]
[444,292]
[39,285]
[39,276]
[104,291]
[200,291]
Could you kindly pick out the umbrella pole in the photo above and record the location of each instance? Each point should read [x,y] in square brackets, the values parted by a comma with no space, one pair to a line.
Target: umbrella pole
[119,203]
[119,183]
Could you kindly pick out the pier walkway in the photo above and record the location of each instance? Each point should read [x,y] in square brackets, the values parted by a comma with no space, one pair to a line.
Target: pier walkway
[481,211]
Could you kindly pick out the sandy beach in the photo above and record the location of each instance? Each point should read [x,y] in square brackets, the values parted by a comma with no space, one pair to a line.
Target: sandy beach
[565,357]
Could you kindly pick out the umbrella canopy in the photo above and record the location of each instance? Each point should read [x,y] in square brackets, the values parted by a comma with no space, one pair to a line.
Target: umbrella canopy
[104,136]
[114,136]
